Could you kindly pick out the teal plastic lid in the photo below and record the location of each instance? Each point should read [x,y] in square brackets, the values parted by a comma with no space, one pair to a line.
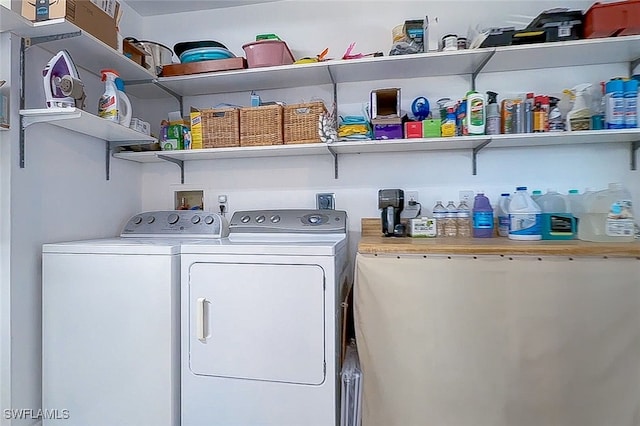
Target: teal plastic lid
[573,191]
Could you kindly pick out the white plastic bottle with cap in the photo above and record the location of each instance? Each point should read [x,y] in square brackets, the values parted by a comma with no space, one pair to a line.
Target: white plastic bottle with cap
[607,216]
[524,216]
[502,212]
[108,103]
[439,214]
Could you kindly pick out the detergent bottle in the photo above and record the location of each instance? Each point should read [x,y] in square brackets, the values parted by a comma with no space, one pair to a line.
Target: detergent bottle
[579,118]
[124,105]
[524,216]
[108,103]
[476,117]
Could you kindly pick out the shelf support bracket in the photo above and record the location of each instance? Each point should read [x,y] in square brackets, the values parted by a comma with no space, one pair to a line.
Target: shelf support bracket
[179,163]
[476,150]
[634,148]
[23,48]
[171,92]
[45,39]
[335,89]
[335,161]
[633,64]
[478,70]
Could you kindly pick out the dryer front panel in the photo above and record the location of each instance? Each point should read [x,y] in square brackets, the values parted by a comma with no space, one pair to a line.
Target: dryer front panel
[257,322]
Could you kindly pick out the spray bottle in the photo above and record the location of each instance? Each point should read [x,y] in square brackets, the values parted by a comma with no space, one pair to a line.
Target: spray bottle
[493,114]
[108,103]
[556,123]
[579,118]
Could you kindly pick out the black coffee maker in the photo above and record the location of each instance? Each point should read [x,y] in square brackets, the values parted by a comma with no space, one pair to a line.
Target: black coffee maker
[391,202]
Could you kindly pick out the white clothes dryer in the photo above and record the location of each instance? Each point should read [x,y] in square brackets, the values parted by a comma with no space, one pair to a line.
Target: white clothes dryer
[110,322]
[261,321]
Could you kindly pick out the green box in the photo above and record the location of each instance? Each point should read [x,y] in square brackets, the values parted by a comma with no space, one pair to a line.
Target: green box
[431,128]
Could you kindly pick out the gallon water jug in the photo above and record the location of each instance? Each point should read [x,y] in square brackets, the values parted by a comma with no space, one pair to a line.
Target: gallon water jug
[524,216]
[607,216]
[557,221]
[502,211]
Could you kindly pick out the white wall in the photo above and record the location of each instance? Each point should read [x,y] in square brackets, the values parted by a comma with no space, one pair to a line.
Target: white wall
[60,195]
[310,26]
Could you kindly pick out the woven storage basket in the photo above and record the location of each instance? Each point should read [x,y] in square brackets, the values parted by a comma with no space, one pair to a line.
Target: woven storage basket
[301,122]
[261,125]
[220,128]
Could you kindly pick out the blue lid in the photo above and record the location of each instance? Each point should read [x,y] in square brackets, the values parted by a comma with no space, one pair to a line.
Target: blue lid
[614,86]
[631,85]
[505,194]
[573,191]
[521,188]
[119,84]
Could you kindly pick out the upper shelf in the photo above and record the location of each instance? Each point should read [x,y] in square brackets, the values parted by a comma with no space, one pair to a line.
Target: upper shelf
[462,62]
[82,122]
[87,52]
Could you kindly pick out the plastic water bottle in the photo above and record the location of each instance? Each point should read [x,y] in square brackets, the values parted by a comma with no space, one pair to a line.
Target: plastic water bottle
[439,214]
[482,217]
[502,211]
[608,216]
[464,220]
[524,217]
[450,222]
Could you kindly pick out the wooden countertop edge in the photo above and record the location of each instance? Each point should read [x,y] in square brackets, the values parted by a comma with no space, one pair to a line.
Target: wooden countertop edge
[495,246]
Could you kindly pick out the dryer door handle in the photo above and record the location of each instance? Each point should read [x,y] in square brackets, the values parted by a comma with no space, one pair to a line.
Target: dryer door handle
[200,319]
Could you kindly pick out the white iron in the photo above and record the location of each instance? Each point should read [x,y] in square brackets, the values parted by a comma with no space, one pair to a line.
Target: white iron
[62,85]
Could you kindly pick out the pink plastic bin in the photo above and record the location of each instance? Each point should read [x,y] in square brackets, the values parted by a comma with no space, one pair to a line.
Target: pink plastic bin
[267,53]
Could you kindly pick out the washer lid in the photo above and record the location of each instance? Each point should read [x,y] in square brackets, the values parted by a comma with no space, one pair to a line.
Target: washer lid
[130,246]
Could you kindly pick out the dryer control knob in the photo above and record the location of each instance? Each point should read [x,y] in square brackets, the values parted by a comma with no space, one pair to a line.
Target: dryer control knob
[195,220]
[173,218]
[208,220]
[245,219]
[137,220]
[275,218]
[151,219]
[260,219]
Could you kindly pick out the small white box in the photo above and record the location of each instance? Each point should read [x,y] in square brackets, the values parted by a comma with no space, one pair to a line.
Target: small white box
[422,227]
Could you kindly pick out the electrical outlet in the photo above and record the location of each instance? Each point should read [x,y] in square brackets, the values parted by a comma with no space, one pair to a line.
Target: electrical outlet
[411,205]
[325,201]
[222,204]
[466,196]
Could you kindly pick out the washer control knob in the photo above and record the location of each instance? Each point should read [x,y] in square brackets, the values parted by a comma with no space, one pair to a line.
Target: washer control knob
[195,220]
[245,219]
[260,219]
[208,220]
[151,219]
[137,220]
[314,219]
[173,219]
[275,218]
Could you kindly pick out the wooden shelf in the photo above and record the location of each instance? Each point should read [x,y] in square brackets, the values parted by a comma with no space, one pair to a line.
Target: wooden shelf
[79,121]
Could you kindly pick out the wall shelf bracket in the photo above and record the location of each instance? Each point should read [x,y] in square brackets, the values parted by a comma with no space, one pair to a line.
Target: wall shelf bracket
[335,161]
[476,150]
[633,64]
[634,148]
[45,39]
[478,70]
[171,92]
[179,163]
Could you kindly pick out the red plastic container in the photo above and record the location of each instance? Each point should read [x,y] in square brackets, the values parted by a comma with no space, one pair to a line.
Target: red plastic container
[267,53]
[612,19]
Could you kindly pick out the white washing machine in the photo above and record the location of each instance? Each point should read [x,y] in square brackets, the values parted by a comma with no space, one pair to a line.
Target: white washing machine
[261,320]
[111,322]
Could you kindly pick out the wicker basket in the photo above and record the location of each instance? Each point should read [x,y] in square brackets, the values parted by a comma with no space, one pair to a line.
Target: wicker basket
[301,122]
[261,125]
[220,128]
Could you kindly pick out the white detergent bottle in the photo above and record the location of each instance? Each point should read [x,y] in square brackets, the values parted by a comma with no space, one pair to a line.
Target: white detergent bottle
[476,113]
[108,103]
[607,216]
[524,217]
[124,104]
[502,211]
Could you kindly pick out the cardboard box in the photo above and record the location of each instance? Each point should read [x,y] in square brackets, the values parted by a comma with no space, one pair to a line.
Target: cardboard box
[385,103]
[422,227]
[196,128]
[413,129]
[82,13]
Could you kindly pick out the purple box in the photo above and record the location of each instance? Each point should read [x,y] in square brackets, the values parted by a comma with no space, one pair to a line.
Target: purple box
[387,131]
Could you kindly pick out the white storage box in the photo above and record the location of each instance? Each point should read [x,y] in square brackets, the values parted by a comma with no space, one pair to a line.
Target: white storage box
[351,396]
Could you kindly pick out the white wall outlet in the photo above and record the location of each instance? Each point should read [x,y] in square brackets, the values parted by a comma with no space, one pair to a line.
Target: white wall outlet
[411,207]
[467,196]
[325,201]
